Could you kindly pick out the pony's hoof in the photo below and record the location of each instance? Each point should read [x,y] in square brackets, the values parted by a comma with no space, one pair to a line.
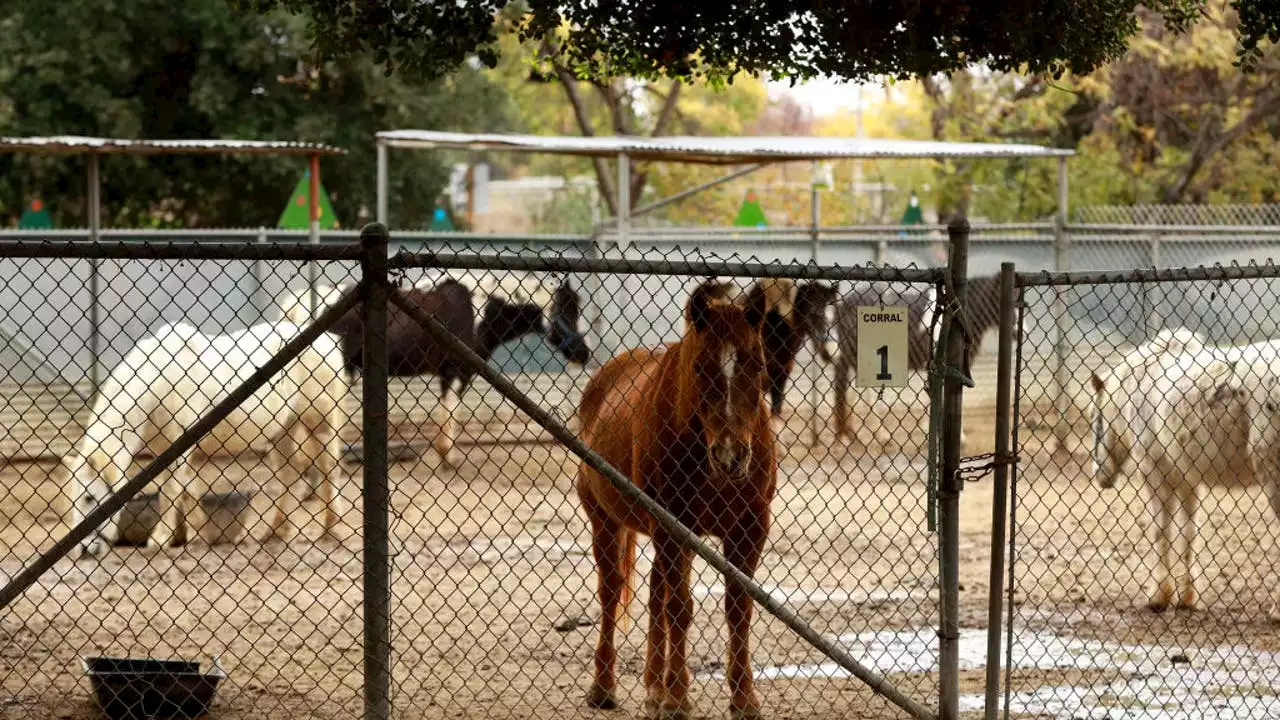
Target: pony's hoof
[1157,606]
[1274,614]
[451,459]
[745,713]
[95,548]
[601,699]
[674,713]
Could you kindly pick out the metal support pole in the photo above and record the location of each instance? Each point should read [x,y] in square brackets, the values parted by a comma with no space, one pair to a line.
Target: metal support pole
[1061,373]
[313,174]
[624,201]
[95,279]
[627,302]
[950,484]
[382,183]
[1155,292]
[377,491]
[999,487]
[815,246]
[261,298]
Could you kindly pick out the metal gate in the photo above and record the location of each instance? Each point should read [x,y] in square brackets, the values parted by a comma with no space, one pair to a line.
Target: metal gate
[1139,545]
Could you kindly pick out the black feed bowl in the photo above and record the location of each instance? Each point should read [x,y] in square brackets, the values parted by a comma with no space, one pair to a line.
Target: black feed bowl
[147,689]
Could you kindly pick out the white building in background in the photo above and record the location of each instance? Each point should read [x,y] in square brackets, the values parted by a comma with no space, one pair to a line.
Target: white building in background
[514,206]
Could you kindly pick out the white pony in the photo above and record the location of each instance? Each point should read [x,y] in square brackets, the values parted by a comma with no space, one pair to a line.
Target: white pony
[1176,412]
[170,379]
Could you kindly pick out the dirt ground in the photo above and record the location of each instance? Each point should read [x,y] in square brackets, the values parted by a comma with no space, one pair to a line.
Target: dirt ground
[493,589]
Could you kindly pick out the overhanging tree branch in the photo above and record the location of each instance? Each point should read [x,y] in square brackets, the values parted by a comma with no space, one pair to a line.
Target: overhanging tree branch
[1264,107]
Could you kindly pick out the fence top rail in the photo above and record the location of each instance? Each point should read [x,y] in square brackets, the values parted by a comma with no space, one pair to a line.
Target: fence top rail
[807,230]
[1186,229]
[178,250]
[405,259]
[1150,275]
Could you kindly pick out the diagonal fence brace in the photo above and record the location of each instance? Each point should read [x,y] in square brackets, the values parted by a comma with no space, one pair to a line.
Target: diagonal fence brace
[473,362]
[201,427]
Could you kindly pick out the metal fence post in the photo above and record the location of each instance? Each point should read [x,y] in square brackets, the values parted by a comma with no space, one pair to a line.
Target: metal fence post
[1155,293]
[950,484]
[262,298]
[95,276]
[999,488]
[376,494]
[1061,373]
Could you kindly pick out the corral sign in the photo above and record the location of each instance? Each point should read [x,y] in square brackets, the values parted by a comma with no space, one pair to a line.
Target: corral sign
[882,346]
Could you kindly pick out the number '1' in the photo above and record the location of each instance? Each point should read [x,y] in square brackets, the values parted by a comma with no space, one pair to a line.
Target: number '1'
[883,353]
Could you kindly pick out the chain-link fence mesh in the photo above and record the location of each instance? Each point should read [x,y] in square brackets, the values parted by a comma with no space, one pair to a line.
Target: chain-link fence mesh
[1261,214]
[494,605]
[282,620]
[1107,617]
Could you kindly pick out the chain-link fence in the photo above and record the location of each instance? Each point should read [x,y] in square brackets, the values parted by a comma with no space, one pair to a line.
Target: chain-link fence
[330,523]
[1141,541]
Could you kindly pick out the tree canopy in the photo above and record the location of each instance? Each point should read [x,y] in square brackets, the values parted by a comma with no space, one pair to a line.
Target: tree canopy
[197,69]
[797,39]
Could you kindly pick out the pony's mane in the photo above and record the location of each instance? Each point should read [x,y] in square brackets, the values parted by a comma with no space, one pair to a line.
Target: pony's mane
[779,295]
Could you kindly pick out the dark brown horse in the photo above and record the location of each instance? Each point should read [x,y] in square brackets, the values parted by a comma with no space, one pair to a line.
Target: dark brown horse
[982,311]
[482,317]
[688,423]
[796,313]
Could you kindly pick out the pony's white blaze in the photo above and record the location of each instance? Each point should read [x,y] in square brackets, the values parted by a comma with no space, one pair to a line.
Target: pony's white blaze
[728,365]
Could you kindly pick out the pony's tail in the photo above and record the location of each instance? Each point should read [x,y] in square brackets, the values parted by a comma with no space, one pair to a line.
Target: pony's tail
[626,565]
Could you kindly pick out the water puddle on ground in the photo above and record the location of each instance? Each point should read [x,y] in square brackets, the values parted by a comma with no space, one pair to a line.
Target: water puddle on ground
[1154,683]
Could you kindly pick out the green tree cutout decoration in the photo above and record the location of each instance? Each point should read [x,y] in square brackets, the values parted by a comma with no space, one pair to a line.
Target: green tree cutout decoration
[35,217]
[750,214]
[295,217]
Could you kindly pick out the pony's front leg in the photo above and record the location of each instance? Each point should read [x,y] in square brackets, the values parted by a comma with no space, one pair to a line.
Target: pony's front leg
[446,424]
[175,503]
[607,546]
[1189,500]
[656,649]
[839,391]
[335,505]
[742,549]
[1271,486]
[285,500]
[1161,507]
[679,614]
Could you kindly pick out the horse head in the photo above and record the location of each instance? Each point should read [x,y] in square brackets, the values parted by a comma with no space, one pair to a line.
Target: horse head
[512,305]
[723,373]
[1112,439]
[565,315]
[815,313]
[92,477]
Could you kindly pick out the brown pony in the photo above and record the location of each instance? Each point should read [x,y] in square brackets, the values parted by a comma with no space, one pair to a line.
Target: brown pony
[689,424]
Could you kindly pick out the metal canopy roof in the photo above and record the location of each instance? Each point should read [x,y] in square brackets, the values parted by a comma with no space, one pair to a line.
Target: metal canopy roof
[716,150]
[78,145]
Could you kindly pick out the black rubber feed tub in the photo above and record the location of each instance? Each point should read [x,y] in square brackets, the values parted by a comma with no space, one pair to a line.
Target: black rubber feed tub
[146,689]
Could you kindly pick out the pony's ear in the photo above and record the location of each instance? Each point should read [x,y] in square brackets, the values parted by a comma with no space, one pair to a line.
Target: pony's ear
[697,312]
[756,308]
